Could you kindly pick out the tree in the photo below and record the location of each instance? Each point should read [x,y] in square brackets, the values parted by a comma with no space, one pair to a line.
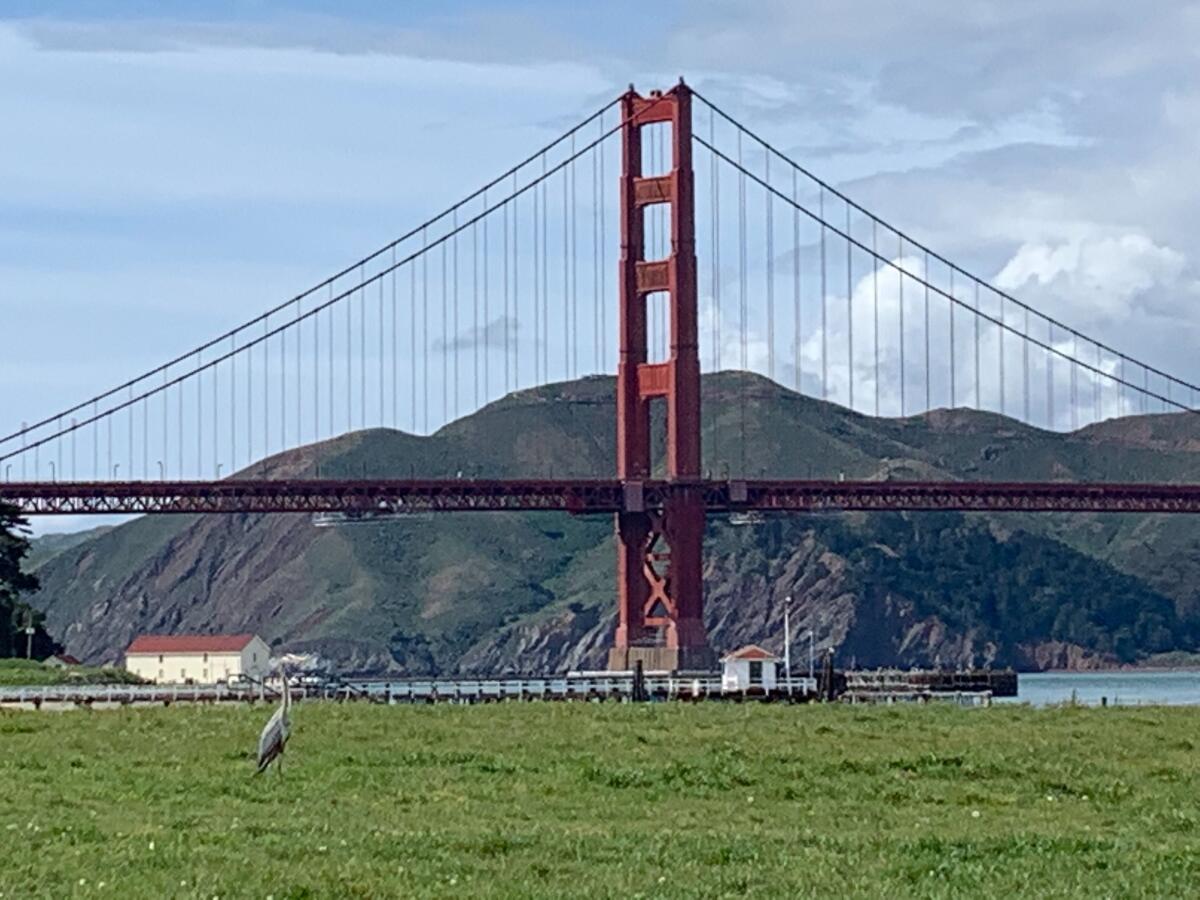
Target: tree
[15,615]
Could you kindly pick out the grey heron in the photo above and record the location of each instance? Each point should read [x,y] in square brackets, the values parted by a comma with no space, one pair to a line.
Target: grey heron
[275,734]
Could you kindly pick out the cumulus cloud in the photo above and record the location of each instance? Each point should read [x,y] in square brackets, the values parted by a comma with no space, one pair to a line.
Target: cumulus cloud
[1100,280]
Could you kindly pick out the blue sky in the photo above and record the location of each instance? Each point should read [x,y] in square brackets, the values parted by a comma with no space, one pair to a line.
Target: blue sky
[170,170]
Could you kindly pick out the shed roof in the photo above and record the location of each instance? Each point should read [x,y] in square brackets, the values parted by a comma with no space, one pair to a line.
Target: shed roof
[189,643]
[751,652]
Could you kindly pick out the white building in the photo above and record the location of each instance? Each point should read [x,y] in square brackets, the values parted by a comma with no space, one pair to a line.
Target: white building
[197,658]
[751,667]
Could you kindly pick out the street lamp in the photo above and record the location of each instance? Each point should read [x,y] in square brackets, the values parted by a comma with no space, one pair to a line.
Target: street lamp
[162,471]
[811,654]
[787,642]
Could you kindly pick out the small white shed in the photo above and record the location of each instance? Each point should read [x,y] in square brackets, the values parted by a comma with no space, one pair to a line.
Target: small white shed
[750,667]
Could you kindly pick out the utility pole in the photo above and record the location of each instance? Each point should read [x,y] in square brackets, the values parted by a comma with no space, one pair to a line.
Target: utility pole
[29,630]
[811,654]
[787,642]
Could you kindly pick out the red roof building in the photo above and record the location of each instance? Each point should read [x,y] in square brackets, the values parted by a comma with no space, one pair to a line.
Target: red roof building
[197,658]
[189,643]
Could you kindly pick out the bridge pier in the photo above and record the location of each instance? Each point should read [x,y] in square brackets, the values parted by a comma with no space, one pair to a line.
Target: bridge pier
[659,558]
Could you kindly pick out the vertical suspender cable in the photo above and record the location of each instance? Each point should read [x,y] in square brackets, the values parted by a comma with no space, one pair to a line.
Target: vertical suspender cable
[900,306]
[332,400]
[824,300]
[412,344]
[743,360]
[545,188]
[504,272]
[1049,374]
[770,226]
[316,368]
[1025,362]
[475,307]
[875,296]
[849,310]
[978,393]
[516,269]
[596,330]
[603,303]
[395,349]
[537,284]
[1074,381]
[379,363]
[362,348]
[953,361]
[300,375]
[716,260]
[1000,329]
[487,322]
[233,457]
[425,334]
[565,303]
[283,389]
[454,292]
[797,333]
[216,411]
[928,389]
[129,446]
[199,418]
[574,274]
[446,339]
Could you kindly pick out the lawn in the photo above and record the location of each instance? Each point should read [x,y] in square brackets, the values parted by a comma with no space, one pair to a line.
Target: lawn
[602,800]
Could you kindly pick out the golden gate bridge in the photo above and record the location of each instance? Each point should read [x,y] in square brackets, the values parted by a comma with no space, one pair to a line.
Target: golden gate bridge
[722,252]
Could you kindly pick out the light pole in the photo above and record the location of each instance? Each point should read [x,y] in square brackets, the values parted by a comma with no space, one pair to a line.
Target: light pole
[787,642]
[162,471]
[811,654]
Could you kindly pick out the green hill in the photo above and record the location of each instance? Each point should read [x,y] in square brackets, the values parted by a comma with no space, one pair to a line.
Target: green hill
[529,592]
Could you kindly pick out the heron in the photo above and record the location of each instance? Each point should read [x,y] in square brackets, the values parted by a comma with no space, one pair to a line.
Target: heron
[275,734]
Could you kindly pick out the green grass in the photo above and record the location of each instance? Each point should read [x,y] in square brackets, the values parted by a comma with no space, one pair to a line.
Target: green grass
[23,672]
[589,800]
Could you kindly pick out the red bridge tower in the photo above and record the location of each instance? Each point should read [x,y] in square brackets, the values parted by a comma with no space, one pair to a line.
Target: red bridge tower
[661,591]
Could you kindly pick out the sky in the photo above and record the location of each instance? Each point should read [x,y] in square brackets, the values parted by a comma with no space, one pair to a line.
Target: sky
[169,170]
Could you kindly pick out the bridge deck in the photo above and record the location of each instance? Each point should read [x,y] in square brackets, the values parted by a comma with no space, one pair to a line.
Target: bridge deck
[585,496]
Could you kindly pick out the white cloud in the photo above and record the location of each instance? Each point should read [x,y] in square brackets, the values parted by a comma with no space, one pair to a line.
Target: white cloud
[1098,280]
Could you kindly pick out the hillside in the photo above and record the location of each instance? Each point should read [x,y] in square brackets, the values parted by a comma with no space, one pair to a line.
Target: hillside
[515,592]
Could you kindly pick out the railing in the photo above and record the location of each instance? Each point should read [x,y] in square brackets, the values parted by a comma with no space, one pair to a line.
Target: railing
[410,690]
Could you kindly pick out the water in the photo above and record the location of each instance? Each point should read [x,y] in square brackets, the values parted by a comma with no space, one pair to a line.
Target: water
[1180,688]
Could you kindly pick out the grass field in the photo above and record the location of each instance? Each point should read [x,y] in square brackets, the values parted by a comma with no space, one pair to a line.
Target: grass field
[588,800]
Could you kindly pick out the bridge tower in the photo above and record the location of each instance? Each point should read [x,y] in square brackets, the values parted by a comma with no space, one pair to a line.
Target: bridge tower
[659,555]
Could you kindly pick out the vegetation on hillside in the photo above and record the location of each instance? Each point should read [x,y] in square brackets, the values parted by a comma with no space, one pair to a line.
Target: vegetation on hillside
[612,800]
[31,673]
[1012,589]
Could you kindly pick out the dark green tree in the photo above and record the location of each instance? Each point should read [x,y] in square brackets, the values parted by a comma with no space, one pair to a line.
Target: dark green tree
[16,615]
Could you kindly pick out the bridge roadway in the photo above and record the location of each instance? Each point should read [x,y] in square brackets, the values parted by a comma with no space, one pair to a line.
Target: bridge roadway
[585,496]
